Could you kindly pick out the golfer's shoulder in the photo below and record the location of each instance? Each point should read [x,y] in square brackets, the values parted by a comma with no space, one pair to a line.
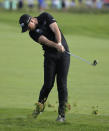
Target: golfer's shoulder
[31,34]
[34,35]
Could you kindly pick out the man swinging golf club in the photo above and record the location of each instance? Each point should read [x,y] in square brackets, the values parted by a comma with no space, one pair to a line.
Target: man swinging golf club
[45,31]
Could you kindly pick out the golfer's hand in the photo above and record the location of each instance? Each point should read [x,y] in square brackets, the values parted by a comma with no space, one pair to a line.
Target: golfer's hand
[60,48]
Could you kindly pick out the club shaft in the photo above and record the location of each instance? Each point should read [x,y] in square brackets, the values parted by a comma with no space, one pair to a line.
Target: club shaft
[78,57]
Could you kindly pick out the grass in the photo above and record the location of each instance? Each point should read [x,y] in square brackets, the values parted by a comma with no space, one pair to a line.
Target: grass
[21,75]
[20,119]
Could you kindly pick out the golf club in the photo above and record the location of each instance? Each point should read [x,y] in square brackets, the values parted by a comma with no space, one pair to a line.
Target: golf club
[78,57]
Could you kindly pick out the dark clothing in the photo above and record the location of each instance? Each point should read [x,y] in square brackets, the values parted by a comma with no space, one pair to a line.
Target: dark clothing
[44,20]
[56,67]
[56,64]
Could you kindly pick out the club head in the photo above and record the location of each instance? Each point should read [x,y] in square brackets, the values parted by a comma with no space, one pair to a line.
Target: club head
[95,63]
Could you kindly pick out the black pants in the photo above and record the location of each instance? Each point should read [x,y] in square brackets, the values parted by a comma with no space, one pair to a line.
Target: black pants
[56,67]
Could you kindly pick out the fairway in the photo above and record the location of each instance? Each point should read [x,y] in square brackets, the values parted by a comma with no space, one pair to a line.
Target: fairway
[21,75]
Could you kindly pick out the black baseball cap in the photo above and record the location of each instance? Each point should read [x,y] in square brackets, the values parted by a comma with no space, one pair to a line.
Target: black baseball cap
[23,21]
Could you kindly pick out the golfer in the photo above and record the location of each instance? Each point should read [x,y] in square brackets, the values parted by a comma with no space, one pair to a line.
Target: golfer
[44,30]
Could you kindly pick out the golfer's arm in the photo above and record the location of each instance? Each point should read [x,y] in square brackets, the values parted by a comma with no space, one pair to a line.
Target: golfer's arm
[43,40]
[54,27]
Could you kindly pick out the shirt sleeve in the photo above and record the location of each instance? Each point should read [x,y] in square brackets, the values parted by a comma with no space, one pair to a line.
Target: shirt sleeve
[49,18]
[35,36]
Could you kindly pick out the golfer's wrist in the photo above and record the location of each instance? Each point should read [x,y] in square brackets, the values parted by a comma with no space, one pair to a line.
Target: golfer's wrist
[59,43]
[57,46]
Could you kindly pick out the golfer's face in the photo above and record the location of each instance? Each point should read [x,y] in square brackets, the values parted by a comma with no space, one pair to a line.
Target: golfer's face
[32,24]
